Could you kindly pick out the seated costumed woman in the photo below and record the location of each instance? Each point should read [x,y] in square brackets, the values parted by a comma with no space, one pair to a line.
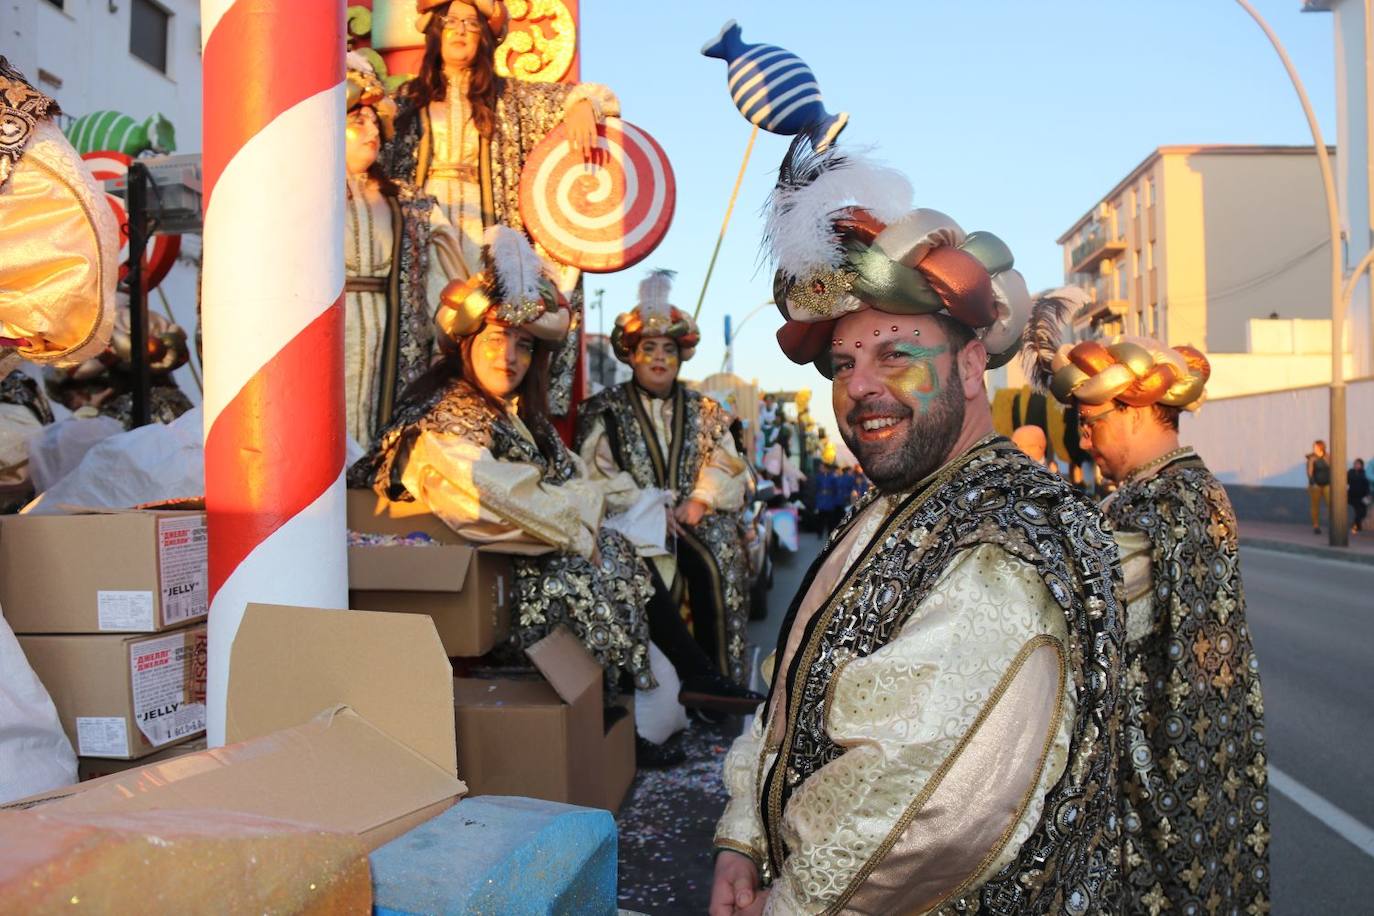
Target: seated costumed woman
[479,451]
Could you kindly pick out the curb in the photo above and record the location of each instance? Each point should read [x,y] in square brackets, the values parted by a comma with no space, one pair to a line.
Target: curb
[1339,554]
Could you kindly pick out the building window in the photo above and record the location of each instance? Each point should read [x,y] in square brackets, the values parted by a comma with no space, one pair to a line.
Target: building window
[1135,202]
[148,27]
[1150,256]
[1150,190]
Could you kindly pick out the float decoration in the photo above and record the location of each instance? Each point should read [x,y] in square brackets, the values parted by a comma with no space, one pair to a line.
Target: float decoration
[162,249]
[110,130]
[542,42]
[604,216]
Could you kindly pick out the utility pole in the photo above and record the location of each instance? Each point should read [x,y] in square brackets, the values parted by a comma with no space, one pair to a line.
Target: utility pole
[1342,288]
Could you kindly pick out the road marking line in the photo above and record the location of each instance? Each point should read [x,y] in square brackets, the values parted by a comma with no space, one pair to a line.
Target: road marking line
[1360,836]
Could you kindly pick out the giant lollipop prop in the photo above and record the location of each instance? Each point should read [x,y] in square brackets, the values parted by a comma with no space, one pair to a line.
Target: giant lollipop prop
[774,89]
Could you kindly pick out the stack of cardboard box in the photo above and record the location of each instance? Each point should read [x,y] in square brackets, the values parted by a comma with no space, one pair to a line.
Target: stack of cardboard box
[109,608]
[545,735]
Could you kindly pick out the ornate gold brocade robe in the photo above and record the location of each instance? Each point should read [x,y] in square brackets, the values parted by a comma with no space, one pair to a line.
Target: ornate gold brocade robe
[681,444]
[399,252]
[59,244]
[1195,803]
[940,732]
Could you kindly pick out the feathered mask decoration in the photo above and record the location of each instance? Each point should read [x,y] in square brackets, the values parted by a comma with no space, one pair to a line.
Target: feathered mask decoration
[1040,339]
[512,289]
[842,236]
[654,316]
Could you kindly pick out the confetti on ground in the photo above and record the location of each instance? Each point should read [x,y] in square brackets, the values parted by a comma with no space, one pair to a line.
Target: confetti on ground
[667,823]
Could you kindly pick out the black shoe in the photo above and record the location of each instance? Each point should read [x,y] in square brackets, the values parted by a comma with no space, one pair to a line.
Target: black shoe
[713,692]
[1316,530]
[650,756]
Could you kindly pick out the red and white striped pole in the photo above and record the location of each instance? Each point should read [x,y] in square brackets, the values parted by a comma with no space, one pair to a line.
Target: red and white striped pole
[272,304]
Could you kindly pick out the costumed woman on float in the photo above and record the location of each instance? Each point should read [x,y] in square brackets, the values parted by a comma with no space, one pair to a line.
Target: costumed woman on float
[463,133]
[399,253]
[478,450]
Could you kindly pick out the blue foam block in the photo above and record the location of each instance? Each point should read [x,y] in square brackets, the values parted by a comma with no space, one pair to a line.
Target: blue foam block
[500,855]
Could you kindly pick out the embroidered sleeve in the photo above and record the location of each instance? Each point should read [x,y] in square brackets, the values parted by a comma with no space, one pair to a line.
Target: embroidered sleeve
[723,479]
[499,502]
[619,488]
[739,828]
[953,733]
[604,101]
[1137,571]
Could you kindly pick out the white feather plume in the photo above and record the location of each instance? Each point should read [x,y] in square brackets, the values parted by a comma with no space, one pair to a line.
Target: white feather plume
[518,269]
[799,213]
[653,294]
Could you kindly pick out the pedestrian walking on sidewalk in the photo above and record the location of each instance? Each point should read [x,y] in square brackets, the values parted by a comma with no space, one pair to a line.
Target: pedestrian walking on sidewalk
[1318,482]
[1357,494]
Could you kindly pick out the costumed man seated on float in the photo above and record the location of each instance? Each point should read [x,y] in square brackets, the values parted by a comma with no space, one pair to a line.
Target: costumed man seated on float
[677,440]
[1195,801]
[474,444]
[463,133]
[399,253]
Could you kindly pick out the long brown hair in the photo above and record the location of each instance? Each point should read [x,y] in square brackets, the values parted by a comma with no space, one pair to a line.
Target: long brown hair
[533,390]
[484,86]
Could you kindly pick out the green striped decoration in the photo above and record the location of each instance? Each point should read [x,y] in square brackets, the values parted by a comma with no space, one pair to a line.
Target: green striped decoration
[112,130]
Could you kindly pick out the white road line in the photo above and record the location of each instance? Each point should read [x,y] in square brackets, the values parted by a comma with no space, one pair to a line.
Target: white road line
[1357,833]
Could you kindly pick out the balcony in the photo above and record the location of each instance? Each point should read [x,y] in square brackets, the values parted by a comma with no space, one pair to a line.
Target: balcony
[1099,244]
[1103,310]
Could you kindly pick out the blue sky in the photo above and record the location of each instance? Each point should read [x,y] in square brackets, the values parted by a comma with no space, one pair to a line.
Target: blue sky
[1012,116]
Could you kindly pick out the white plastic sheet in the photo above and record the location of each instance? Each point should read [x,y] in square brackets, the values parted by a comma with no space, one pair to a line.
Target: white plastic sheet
[148,464]
[55,451]
[645,523]
[35,755]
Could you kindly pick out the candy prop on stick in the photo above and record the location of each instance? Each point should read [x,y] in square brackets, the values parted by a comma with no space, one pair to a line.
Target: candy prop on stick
[601,216]
[163,250]
[773,88]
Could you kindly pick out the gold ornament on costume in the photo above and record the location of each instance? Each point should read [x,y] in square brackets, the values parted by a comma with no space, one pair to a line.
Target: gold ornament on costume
[819,292]
[21,107]
[541,44]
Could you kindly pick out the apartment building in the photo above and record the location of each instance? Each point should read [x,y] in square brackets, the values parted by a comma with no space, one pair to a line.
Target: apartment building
[1222,247]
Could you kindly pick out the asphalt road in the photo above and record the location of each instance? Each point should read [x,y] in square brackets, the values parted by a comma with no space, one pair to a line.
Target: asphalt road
[1312,622]
[1313,625]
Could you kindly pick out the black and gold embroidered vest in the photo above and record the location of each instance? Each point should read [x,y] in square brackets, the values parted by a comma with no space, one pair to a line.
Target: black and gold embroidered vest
[992,495]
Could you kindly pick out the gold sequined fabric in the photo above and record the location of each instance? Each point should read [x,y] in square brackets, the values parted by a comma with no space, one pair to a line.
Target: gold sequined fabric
[21,108]
[1066,860]
[1194,772]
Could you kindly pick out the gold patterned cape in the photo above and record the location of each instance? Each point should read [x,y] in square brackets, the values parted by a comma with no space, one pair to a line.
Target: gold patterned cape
[1195,801]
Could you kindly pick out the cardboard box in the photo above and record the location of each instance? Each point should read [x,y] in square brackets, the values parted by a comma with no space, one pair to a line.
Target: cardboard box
[130,572]
[466,591]
[545,738]
[96,767]
[376,762]
[124,696]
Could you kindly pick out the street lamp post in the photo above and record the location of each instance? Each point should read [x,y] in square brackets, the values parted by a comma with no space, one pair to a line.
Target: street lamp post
[1342,288]
[727,361]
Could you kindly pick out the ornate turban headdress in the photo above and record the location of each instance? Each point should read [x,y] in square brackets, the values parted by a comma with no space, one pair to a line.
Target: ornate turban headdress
[1135,371]
[494,11]
[365,90]
[513,288]
[654,316]
[843,238]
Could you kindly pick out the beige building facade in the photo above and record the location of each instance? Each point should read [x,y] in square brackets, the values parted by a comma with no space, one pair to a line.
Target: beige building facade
[1222,247]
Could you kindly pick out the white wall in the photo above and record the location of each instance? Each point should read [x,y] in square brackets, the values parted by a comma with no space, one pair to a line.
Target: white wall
[1353,166]
[1262,440]
[85,46]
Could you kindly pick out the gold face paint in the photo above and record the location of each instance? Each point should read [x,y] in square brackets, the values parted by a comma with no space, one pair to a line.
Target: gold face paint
[919,380]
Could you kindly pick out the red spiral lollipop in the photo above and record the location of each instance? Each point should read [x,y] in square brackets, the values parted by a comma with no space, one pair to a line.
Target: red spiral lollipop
[604,215]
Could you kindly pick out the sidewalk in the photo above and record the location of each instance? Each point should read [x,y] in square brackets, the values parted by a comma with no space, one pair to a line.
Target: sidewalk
[1300,539]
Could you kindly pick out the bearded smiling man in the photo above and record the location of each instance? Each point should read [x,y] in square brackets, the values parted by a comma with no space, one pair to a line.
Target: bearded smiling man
[941,731]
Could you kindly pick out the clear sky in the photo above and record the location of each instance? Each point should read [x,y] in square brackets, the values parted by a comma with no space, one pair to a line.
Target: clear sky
[1013,116]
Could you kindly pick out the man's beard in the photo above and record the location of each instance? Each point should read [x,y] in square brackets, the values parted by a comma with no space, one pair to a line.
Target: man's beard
[929,439]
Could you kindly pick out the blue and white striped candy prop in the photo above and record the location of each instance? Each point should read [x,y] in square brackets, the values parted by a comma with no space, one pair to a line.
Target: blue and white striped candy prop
[773,88]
